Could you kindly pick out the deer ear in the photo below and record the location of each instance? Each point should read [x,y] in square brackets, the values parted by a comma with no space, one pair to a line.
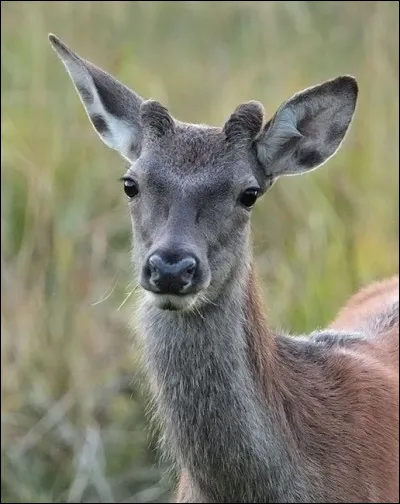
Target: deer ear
[113,109]
[308,128]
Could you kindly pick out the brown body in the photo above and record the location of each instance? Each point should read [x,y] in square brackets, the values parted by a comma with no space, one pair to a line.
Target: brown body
[348,405]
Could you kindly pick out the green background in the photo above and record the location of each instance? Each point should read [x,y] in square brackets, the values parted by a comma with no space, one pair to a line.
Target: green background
[73,425]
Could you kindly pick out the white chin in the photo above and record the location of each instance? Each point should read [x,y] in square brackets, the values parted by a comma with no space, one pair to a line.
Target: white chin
[171,302]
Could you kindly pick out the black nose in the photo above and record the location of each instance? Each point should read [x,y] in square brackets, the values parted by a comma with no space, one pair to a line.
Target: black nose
[171,277]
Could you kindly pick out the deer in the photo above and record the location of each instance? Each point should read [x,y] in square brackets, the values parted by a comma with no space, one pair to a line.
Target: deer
[248,413]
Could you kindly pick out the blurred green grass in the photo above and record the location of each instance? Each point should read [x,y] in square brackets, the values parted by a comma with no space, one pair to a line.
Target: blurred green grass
[73,427]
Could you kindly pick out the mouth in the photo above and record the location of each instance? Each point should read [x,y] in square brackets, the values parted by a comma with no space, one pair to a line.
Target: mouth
[171,302]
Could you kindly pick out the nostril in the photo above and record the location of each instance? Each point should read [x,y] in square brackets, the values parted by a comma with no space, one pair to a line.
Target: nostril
[155,264]
[154,269]
[190,269]
[187,268]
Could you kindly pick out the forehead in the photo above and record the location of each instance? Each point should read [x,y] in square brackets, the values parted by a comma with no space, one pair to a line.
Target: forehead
[194,155]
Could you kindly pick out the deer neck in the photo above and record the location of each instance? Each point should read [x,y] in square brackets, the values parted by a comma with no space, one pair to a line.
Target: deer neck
[206,369]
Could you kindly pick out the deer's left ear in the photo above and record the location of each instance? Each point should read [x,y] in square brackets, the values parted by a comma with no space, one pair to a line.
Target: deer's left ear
[308,128]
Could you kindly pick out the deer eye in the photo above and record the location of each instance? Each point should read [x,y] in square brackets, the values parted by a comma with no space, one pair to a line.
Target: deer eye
[130,187]
[249,197]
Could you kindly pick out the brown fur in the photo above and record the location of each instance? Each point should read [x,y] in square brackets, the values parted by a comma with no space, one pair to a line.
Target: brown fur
[342,405]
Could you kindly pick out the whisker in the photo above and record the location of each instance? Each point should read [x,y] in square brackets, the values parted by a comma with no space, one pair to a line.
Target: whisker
[127,297]
[206,299]
[101,300]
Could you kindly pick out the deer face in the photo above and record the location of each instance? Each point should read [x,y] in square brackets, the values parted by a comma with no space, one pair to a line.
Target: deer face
[190,194]
[190,187]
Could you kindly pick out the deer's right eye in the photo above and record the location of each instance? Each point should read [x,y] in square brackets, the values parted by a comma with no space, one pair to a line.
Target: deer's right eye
[130,187]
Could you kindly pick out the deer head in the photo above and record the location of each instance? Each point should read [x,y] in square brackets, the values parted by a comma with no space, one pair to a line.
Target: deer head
[191,187]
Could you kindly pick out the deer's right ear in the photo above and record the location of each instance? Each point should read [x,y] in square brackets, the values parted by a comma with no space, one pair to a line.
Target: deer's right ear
[113,109]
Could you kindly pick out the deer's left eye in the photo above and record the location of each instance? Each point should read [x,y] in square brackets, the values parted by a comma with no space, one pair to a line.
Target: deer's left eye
[249,197]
